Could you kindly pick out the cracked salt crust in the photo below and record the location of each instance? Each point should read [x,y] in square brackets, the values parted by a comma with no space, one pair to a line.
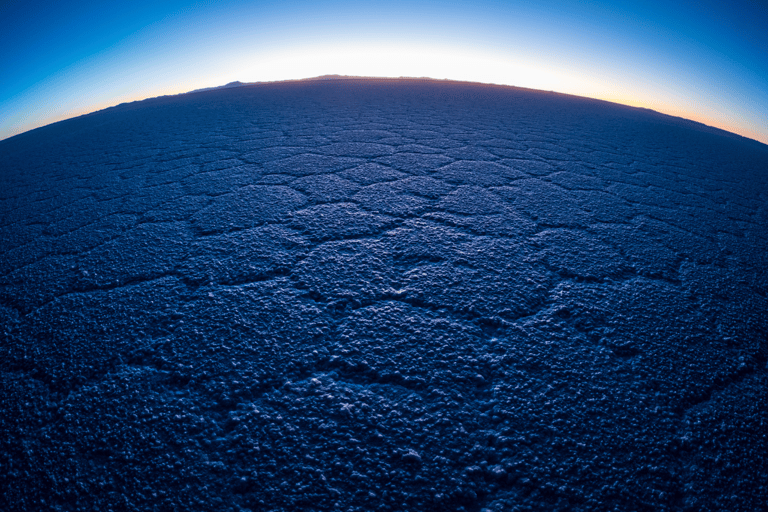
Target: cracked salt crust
[382,295]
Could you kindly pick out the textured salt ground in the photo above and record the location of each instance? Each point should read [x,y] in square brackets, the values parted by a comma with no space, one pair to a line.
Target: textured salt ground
[382,295]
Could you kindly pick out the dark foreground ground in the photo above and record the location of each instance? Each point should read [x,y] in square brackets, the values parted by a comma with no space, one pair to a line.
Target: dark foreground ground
[403,295]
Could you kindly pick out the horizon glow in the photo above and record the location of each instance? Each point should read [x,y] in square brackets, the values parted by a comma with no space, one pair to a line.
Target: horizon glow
[701,61]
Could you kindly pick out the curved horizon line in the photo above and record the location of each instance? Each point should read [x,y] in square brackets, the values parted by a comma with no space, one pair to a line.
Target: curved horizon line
[335,77]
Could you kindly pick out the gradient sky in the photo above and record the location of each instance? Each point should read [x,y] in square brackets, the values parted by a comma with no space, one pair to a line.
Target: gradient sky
[702,60]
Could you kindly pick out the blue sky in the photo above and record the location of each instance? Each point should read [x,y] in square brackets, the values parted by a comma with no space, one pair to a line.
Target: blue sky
[702,60]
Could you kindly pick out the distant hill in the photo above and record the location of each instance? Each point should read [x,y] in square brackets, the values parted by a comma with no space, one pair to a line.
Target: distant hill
[228,86]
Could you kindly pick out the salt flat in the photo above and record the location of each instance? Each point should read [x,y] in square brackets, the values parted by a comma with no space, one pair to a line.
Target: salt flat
[382,295]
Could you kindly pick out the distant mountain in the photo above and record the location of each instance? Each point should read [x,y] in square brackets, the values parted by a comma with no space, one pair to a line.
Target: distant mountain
[311,79]
[228,86]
